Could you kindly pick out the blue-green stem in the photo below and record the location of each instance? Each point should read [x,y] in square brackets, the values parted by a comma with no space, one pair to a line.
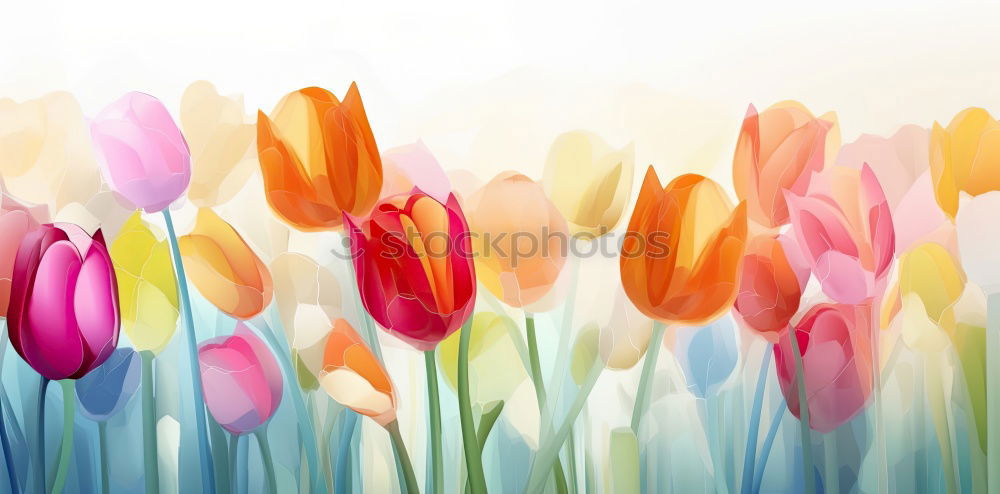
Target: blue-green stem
[409,480]
[66,447]
[765,449]
[43,384]
[758,401]
[266,458]
[800,385]
[434,410]
[539,383]
[207,471]
[7,458]
[646,378]
[102,439]
[831,481]
[473,453]
[993,399]
[234,442]
[341,477]
[149,448]
[306,431]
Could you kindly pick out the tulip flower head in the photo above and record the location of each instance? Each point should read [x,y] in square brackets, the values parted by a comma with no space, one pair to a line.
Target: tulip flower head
[147,288]
[224,268]
[414,267]
[63,316]
[770,286]
[353,377]
[490,348]
[520,241]
[588,181]
[242,380]
[681,257]
[963,157]
[779,150]
[837,361]
[846,234]
[319,158]
[708,355]
[16,221]
[142,152]
[107,389]
[931,282]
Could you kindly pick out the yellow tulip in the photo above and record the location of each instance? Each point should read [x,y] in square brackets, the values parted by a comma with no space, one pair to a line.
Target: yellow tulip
[492,375]
[930,283]
[588,181]
[964,157]
[147,289]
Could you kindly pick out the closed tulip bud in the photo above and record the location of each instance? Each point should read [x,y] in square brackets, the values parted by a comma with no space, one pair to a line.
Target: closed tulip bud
[353,377]
[770,287]
[963,157]
[142,152]
[63,316]
[490,348]
[242,380]
[224,268]
[930,284]
[16,221]
[681,257]
[147,289]
[319,158]
[414,267]
[107,389]
[708,355]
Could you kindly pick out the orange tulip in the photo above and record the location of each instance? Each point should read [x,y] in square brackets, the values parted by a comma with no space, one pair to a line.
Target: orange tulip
[681,257]
[353,377]
[318,158]
[520,239]
[224,268]
[779,150]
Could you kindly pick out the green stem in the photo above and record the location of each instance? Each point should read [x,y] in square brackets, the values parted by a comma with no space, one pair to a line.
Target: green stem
[102,437]
[800,385]
[207,471]
[66,447]
[473,454]
[547,455]
[409,479]
[830,462]
[539,382]
[646,378]
[491,412]
[220,459]
[149,447]
[434,410]
[265,454]
[992,398]
[40,459]
[933,369]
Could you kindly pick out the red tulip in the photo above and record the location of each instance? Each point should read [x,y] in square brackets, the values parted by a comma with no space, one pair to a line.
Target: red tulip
[770,286]
[415,268]
[837,361]
[63,317]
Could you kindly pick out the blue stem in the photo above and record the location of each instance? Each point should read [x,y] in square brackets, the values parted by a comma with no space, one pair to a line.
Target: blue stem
[765,450]
[207,470]
[758,402]
[344,452]
[7,458]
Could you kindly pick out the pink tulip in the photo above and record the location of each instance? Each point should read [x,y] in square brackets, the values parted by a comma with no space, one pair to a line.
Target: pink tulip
[242,380]
[142,152]
[844,229]
[63,317]
[16,220]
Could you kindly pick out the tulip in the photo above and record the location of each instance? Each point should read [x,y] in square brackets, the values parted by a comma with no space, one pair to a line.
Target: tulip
[681,257]
[490,348]
[520,239]
[63,317]
[46,156]
[142,152]
[147,287]
[708,355]
[588,181]
[16,221]
[834,340]
[624,339]
[413,165]
[319,158]
[770,286]
[221,140]
[355,378]
[414,268]
[777,151]
[224,268]
[846,234]
[963,156]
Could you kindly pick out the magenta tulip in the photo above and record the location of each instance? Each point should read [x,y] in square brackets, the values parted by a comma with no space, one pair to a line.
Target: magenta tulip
[242,380]
[142,152]
[63,317]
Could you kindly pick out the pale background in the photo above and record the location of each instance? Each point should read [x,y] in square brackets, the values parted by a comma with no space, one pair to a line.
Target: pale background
[488,86]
